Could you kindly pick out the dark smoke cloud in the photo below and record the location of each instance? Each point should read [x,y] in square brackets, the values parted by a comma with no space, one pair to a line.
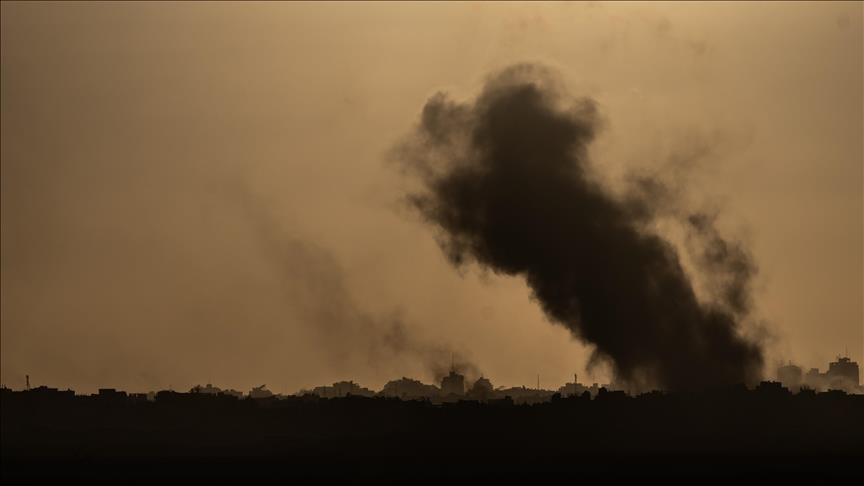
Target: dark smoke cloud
[507,182]
[726,267]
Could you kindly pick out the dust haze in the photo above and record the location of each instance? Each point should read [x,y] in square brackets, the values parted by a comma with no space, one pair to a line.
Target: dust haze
[196,193]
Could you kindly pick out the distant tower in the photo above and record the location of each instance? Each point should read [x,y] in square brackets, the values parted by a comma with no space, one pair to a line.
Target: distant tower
[453,384]
[790,376]
[843,374]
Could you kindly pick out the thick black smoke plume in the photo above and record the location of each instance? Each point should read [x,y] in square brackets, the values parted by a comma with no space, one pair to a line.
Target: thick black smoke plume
[506,180]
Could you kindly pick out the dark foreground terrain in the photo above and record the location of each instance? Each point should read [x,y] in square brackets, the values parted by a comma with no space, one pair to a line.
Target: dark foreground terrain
[200,438]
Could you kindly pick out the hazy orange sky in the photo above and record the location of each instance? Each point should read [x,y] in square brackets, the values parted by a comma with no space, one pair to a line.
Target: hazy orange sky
[205,191]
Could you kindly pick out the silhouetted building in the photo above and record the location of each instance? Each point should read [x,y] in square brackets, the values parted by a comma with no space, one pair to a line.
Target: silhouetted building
[51,393]
[207,389]
[814,380]
[521,394]
[139,397]
[408,389]
[843,374]
[790,376]
[232,393]
[111,393]
[610,395]
[453,384]
[260,392]
[573,389]
[481,390]
[342,389]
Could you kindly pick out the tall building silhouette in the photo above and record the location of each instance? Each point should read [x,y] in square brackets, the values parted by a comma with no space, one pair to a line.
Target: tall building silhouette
[453,384]
[843,373]
[790,376]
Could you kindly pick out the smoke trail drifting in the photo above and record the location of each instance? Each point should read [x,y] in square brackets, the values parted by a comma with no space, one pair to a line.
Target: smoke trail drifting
[313,284]
[507,183]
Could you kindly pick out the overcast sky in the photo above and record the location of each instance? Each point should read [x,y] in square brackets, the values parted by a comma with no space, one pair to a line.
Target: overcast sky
[206,192]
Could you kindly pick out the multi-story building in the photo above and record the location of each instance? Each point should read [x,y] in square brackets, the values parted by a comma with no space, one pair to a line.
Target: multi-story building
[453,384]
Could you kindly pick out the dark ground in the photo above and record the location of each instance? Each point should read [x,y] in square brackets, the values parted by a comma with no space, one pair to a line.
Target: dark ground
[215,439]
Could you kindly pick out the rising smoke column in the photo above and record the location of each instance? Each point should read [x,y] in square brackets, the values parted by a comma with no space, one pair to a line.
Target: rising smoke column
[507,183]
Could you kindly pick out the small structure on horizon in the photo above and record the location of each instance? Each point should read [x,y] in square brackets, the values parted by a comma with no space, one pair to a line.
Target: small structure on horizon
[409,389]
[342,389]
[208,389]
[260,392]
